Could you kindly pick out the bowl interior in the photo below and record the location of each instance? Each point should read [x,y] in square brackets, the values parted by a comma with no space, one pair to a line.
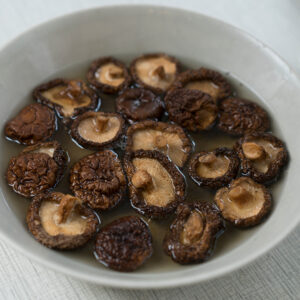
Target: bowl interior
[66,46]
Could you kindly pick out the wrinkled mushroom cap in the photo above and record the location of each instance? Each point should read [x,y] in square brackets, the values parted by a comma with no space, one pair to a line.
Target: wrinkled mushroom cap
[124,244]
[34,123]
[61,221]
[167,138]
[97,129]
[154,71]
[156,186]
[244,203]
[108,75]
[192,235]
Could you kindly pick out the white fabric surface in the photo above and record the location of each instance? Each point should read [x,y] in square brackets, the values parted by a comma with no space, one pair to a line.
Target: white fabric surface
[276,275]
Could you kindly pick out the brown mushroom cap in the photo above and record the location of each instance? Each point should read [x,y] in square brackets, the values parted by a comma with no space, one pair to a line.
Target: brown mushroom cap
[60,221]
[244,203]
[156,186]
[239,116]
[69,98]
[191,109]
[108,75]
[34,123]
[139,104]
[37,169]
[97,129]
[169,139]
[98,180]
[214,169]
[156,71]
[205,80]
[262,156]
[124,244]
[192,235]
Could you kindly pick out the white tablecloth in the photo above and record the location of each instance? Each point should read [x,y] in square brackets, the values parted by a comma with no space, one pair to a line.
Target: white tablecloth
[276,275]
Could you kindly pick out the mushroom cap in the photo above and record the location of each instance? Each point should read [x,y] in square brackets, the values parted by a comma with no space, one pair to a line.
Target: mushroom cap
[244,203]
[167,189]
[86,131]
[221,179]
[59,241]
[240,116]
[206,80]
[34,123]
[105,87]
[204,230]
[74,94]
[167,138]
[154,85]
[273,159]
[124,244]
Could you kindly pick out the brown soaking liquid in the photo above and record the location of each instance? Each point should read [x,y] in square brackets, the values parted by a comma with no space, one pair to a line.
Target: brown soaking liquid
[159,262]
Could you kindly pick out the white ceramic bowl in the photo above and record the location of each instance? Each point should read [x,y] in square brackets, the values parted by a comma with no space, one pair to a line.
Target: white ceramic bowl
[119,30]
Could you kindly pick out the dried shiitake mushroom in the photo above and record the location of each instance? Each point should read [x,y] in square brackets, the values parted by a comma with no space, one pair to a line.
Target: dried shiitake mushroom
[98,180]
[205,80]
[139,104]
[34,123]
[244,203]
[192,235]
[191,109]
[97,129]
[36,169]
[156,186]
[239,116]
[155,71]
[108,75]
[170,139]
[124,244]
[60,221]
[69,98]
[214,169]
[262,156]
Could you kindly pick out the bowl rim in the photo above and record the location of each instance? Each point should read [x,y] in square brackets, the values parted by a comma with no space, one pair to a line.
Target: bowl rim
[164,283]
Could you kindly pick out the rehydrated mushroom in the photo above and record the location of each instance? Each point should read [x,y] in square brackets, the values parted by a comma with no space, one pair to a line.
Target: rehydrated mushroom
[69,98]
[239,116]
[156,186]
[97,129]
[124,244]
[34,123]
[191,109]
[214,169]
[156,71]
[170,139]
[60,221]
[108,75]
[98,180]
[205,80]
[192,235]
[262,156]
[244,203]
[139,104]
[36,169]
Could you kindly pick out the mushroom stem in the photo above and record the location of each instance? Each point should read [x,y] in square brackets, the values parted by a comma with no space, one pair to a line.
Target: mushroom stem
[142,179]
[208,158]
[66,205]
[116,73]
[101,123]
[192,229]
[72,90]
[160,72]
[160,142]
[239,194]
[253,151]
